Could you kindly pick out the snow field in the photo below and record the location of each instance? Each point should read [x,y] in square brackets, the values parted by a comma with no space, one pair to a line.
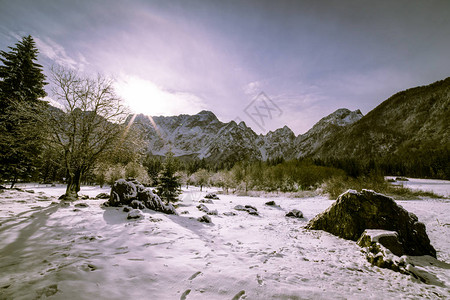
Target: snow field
[56,252]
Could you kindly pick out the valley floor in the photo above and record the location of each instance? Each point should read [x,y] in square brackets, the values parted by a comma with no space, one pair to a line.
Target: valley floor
[56,252]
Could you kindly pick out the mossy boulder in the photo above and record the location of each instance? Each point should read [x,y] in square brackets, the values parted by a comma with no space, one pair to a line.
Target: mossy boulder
[353,212]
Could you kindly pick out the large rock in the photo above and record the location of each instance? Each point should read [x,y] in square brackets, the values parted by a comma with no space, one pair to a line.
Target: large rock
[134,194]
[354,212]
[122,193]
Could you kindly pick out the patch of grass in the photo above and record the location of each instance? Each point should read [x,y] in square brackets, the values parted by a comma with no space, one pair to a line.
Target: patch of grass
[339,184]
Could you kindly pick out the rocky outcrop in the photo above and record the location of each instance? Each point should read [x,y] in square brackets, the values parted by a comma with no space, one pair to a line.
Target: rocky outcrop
[353,212]
[134,194]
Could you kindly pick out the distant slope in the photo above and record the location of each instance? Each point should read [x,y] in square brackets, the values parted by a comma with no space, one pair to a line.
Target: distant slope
[412,126]
[327,127]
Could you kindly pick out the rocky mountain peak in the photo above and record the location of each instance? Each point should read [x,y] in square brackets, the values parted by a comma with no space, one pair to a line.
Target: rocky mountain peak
[206,115]
[343,117]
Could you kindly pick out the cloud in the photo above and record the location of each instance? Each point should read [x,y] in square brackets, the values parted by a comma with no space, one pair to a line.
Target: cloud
[56,53]
[252,88]
[144,96]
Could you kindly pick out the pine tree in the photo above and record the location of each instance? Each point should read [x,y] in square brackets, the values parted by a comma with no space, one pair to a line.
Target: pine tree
[168,187]
[21,86]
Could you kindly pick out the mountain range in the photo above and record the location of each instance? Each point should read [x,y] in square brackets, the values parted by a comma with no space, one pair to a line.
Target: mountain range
[203,136]
[416,120]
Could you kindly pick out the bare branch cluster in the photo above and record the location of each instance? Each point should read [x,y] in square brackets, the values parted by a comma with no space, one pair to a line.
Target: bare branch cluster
[89,123]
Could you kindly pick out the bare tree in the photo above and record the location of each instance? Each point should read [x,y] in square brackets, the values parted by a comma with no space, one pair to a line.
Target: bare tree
[88,123]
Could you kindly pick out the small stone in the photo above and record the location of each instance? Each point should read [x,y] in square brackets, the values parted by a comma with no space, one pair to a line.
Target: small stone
[135,214]
[251,207]
[203,208]
[213,212]
[102,196]
[154,219]
[271,203]
[204,219]
[239,207]
[64,204]
[295,213]
[211,196]
[136,204]
[229,213]
[253,212]
[81,205]
[209,201]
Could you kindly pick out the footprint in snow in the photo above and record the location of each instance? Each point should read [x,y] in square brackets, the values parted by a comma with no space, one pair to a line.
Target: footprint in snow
[194,275]
[88,268]
[184,295]
[239,295]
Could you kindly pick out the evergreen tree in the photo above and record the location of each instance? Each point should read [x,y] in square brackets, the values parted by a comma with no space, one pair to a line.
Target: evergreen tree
[168,187]
[21,86]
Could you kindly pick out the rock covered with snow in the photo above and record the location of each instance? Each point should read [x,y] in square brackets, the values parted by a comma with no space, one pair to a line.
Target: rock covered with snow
[248,208]
[213,212]
[135,214]
[203,208]
[295,213]
[204,219]
[134,194]
[102,196]
[209,201]
[122,193]
[212,196]
[383,249]
[353,212]
[386,238]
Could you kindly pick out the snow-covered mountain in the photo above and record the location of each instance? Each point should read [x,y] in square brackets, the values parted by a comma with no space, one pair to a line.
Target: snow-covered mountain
[204,136]
[310,141]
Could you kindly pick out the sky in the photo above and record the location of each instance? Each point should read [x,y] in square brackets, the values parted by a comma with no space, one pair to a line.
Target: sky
[268,63]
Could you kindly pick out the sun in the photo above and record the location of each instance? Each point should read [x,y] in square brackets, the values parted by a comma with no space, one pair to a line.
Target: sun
[142,96]
[146,97]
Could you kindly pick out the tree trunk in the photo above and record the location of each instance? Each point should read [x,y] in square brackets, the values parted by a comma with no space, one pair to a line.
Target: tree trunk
[74,183]
[201,186]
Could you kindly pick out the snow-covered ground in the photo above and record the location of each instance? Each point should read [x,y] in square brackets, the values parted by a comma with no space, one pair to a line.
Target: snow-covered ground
[51,251]
[439,187]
